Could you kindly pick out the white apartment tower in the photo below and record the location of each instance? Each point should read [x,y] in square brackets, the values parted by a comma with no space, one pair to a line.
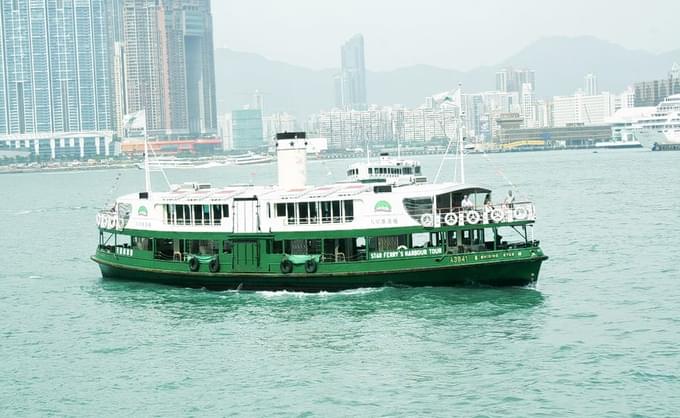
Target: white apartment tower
[528,106]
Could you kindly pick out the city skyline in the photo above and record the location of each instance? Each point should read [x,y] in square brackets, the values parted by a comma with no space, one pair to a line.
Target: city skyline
[169,67]
[399,36]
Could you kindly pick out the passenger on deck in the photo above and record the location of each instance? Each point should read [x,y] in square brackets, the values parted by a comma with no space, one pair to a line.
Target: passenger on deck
[488,207]
[467,203]
[509,200]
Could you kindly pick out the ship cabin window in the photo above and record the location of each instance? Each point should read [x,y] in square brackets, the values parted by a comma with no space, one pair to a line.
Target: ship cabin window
[417,169]
[195,214]
[227,247]
[140,243]
[296,247]
[405,241]
[311,213]
[290,210]
[217,214]
[349,210]
[335,208]
[303,211]
[407,170]
[370,171]
[326,212]
[202,247]
[165,248]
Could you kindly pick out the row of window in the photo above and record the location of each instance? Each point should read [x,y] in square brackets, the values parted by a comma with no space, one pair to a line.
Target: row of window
[195,214]
[394,170]
[306,213]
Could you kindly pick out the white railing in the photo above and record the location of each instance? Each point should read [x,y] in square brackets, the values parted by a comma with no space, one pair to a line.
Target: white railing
[108,219]
[491,214]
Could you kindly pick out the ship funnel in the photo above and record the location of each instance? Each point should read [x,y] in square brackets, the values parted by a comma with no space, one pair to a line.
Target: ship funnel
[291,154]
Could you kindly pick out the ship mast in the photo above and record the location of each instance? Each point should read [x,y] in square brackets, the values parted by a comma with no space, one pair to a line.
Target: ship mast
[147,171]
[461,136]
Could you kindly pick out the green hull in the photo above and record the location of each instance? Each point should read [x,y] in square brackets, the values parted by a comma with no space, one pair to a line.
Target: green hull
[516,272]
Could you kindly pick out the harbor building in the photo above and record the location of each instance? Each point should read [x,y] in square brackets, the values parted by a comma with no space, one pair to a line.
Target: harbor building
[572,136]
[55,78]
[350,83]
[169,66]
[651,93]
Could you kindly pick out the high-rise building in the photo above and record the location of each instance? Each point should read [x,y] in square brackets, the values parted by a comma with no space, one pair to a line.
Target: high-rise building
[511,80]
[246,129]
[651,93]
[55,77]
[590,85]
[582,109]
[350,83]
[169,65]
[528,106]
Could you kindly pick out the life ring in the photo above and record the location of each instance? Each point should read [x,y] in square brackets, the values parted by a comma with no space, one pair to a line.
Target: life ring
[194,264]
[496,215]
[473,217]
[402,248]
[427,220]
[310,266]
[286,266]
[520,213]
[214,265]
[451,219]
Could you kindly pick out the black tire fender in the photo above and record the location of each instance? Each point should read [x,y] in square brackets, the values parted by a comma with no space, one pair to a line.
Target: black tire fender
[194,264]
[286,266]
[214,265]
[311,266]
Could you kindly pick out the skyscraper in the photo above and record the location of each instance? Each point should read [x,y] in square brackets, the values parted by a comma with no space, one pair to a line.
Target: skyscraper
[528,106]
[350,83]
[55,75]
[169,65]
[511,80]
[590,84]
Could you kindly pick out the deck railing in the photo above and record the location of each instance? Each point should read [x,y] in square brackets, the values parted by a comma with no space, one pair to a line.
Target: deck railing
[488,214]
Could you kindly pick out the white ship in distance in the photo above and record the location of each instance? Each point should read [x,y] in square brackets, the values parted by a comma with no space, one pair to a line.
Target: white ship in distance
[649,125]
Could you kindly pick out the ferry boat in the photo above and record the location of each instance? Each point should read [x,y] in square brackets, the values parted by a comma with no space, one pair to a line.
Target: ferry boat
[385,225]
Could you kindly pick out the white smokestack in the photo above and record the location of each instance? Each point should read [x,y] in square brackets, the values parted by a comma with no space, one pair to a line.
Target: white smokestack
[291,154]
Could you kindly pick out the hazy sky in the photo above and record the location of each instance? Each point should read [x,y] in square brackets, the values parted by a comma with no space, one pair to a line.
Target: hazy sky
[445,33]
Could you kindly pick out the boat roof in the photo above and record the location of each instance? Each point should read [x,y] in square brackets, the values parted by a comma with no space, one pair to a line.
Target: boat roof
[324,192]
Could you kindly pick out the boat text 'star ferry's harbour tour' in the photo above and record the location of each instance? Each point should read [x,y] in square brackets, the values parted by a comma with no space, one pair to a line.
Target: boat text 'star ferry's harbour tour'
[384,225]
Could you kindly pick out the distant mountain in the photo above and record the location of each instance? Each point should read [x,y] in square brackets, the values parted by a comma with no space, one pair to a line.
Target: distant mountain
[560,65]
[285,87]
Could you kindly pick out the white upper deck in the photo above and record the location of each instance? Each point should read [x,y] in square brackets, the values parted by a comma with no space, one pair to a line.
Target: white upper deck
[388,170]
[291,207]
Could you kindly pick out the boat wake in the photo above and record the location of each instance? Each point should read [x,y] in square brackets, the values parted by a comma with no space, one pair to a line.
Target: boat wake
[49,210]
[268,294]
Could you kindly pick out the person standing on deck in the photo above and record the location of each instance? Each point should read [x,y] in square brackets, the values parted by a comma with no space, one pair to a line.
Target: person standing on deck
[509,200]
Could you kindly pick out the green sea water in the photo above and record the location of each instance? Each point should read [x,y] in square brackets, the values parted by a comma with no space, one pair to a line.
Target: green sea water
[598,336]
